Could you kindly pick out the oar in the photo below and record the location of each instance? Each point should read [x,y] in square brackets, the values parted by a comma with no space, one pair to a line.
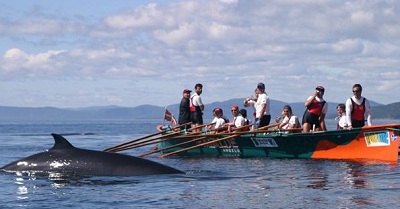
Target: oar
[172,146]
[168,136]
[213,141]
[144,137]
[198,145]
[131,145]
[186,142]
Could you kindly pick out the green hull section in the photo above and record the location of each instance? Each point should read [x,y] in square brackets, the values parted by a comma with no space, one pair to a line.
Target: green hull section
[279,145]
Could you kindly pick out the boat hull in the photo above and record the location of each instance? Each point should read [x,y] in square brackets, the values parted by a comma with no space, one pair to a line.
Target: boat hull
[372,143]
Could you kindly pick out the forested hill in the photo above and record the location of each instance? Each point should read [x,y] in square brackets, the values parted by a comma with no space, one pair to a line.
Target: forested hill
[379,111]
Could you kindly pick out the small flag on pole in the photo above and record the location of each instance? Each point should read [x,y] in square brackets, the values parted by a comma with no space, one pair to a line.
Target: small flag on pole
[169,117]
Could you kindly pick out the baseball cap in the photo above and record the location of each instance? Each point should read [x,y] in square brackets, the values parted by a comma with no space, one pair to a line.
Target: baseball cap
[320,88]
[260,86]
[187,91]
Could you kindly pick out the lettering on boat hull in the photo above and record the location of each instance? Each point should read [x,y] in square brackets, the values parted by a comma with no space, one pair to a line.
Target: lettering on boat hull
[377,138]
[264,142]
[230,151]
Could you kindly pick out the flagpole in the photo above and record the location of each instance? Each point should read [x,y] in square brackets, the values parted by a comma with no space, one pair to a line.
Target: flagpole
[165,111]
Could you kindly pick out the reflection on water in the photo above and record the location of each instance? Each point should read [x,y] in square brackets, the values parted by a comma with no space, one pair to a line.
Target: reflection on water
[208,182]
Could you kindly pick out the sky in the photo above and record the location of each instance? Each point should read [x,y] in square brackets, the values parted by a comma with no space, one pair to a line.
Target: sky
[128,53]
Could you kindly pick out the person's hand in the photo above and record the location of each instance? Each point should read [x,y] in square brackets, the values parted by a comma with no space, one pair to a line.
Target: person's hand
[315,93]
[277,119]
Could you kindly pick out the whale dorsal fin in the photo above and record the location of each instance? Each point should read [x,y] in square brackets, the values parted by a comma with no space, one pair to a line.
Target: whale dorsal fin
[61,142]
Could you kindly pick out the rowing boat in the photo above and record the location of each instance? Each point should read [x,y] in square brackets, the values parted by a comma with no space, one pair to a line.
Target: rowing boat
[369,143]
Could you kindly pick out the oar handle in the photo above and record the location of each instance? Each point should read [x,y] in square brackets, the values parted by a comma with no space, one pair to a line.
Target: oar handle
[198,145]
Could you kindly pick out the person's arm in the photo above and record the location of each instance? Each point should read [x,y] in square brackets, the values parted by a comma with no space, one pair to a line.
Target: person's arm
[322,121]
[368,112]
[263,106]
[322,116]
[283,123]
[198,102]
[349,108]
[310,99]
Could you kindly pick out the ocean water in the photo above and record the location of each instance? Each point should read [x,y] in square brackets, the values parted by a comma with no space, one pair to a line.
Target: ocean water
[215,182]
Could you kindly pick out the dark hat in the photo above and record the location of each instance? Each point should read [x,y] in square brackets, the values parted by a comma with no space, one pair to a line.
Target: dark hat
[260,86]
[288,108]
[187,91]
[320,88]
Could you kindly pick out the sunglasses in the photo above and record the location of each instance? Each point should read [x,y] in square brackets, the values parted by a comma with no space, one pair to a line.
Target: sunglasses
[356,91]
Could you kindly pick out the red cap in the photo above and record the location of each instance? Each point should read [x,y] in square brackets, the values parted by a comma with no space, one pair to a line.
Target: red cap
[321,88]
[187,91]
[217,110]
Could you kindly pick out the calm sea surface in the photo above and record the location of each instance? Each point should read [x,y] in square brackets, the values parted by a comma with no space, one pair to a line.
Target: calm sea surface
[208,182]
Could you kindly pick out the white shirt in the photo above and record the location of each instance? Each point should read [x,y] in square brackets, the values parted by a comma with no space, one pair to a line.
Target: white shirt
[263,98]
[196,100]
[219,122]
[239,121]
[292,121]
[342,120]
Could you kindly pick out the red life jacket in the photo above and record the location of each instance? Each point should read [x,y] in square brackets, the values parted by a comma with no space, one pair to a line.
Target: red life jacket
[357,113]
[316,107]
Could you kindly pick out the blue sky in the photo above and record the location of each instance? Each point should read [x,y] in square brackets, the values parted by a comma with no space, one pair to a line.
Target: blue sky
[129,53]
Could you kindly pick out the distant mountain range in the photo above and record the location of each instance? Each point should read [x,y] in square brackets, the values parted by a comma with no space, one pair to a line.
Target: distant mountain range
[390,111]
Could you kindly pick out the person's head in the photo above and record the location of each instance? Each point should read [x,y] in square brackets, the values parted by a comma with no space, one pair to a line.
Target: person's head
[340,108]
[357,89]
[287,110]
[235,110]
[256,93]
[320,91]
[217,112]
[198,88]
[243,112]
[260,88]
[186,93]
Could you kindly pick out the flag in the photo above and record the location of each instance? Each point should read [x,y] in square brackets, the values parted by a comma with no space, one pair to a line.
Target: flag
[169,117]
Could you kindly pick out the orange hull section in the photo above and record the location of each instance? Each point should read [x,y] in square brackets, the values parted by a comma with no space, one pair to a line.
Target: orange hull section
[359,150]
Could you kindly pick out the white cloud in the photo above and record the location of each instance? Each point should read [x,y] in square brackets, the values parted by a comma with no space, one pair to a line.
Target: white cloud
[229,44]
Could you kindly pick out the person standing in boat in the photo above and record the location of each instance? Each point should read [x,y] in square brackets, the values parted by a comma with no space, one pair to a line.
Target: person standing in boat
[184,110]
[358,109]
[263,116]
[341,118]
[317,107]
[197,107]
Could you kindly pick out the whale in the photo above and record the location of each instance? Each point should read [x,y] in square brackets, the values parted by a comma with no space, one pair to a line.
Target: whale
[64,158]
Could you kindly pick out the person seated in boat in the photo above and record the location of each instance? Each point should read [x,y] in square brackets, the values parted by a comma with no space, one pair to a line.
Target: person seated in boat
[341,118]
[219,121]
[316,109]
[238,120]
[289,121]
[243,112]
